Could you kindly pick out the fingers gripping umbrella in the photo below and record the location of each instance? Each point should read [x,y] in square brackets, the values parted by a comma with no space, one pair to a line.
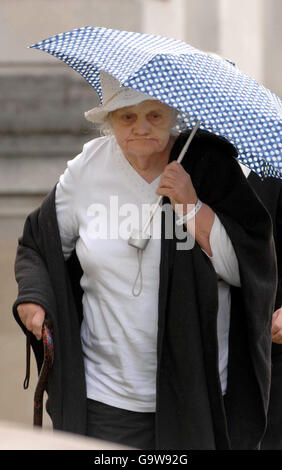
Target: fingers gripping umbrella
[202,87]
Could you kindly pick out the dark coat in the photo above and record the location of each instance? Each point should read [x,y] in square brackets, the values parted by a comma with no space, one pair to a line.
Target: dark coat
[190,413]
[269,191]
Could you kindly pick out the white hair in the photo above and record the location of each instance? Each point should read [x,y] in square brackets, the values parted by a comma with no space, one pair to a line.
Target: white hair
[105,127]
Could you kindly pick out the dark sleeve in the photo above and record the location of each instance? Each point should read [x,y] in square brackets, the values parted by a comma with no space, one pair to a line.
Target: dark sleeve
[30,269]
[32,278]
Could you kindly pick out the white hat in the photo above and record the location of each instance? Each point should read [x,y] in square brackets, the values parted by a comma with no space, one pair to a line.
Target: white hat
[114,96]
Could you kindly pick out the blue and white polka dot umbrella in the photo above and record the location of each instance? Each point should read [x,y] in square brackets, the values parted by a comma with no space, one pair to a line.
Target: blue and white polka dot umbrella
[201,86]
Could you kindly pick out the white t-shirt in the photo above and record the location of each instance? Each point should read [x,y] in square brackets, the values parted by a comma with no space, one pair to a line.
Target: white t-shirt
[100,198]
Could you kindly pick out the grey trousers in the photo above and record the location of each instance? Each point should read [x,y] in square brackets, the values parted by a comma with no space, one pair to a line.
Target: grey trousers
[129,428]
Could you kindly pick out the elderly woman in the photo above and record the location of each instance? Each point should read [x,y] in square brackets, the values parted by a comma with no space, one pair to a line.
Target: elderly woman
[186,363]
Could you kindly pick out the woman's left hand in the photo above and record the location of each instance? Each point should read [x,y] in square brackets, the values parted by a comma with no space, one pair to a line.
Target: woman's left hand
[176,184]
[277,326]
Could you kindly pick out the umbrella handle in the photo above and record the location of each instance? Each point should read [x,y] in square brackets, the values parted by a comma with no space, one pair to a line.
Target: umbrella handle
[48,345]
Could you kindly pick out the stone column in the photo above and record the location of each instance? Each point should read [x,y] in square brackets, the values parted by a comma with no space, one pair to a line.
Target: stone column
[241,34]
[193,21]
[164,17]
[272,22]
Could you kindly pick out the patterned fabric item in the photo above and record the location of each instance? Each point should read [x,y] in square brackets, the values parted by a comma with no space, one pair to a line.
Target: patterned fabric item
[201,86]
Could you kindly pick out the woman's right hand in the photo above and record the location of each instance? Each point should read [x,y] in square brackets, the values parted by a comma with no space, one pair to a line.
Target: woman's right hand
[32,315]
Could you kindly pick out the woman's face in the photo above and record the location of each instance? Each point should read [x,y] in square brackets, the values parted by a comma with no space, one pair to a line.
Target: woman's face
[143,130]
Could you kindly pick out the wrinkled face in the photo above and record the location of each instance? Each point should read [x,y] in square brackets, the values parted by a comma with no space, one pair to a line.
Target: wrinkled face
[143,130]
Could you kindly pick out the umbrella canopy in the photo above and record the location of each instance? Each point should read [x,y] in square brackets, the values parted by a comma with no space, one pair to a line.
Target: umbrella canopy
[201,86]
